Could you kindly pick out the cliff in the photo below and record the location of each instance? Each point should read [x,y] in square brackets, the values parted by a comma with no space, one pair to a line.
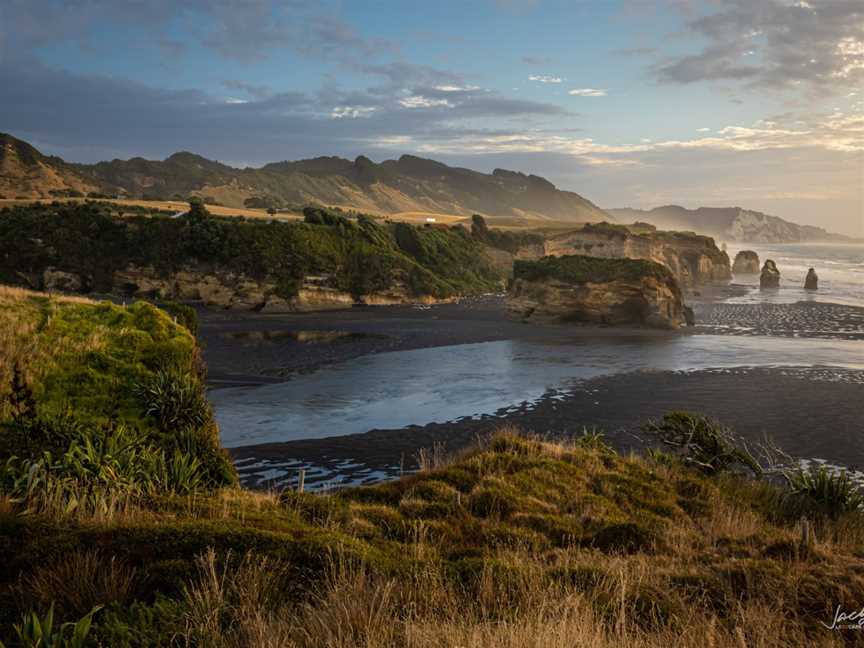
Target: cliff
[693,259]
[594,290]
[328,261]
[729,224]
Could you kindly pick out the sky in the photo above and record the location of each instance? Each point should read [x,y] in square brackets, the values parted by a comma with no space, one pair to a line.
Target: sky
[751,103]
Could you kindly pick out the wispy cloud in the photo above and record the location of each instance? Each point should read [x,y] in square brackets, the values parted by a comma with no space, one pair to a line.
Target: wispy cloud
[587,92]
[545,78]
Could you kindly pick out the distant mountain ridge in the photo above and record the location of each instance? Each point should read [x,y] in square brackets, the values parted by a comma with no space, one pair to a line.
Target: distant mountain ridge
[409,184]
[729,224]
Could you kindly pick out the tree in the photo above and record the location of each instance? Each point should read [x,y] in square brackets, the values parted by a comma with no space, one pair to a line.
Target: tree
[197,208]
[478,227]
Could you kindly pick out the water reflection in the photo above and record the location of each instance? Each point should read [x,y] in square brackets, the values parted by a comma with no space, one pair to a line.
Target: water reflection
[393,390]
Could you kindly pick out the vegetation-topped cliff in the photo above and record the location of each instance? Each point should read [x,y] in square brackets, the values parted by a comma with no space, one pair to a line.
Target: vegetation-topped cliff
[596,290]
[692,258]
[729,224]
[90,248]
[409,184]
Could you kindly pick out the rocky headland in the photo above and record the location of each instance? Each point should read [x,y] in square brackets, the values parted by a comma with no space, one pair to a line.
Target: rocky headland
[693,259]
[597,291]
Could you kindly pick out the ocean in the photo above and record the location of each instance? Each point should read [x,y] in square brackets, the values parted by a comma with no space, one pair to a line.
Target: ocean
[840,269]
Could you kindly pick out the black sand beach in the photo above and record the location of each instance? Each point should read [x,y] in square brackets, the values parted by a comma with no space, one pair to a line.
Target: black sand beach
[792,405]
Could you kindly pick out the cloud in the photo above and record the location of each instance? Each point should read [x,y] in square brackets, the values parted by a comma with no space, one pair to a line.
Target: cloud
[775,44]
[587,92]
[545,78]
[703,130]
[536,60]
[257,91]
[246,30]
[352,112]
[419,101]
[91,117]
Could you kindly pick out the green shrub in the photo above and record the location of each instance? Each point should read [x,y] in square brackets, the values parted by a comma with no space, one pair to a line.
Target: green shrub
[39,632]
[831,493]
[174,400]
[183,314]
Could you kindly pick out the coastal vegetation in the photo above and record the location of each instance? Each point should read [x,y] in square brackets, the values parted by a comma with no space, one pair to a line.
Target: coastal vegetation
[362,255]
[121,523]
[578,268]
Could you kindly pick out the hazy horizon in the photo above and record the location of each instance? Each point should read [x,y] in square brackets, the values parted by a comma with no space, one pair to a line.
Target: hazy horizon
[630,104]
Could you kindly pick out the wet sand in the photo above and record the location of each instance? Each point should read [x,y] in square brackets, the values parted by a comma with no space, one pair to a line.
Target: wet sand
[815,410]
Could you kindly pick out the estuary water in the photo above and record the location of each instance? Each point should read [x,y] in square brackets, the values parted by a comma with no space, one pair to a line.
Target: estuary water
[393,390]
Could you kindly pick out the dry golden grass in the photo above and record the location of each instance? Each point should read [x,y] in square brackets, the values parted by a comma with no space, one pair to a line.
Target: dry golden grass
[356,609]
[170,205]
[79,581]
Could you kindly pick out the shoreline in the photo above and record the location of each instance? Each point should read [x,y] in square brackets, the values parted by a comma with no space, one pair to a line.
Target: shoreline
[251,349]
[753,400]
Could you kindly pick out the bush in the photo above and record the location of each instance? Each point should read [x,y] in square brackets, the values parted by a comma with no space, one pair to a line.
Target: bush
[174,400]
[182,314]
[831,493]
[704,443]
[39,632]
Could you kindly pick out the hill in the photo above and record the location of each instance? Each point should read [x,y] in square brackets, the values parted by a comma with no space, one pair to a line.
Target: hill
[409,184]
[729,224]
[26,173]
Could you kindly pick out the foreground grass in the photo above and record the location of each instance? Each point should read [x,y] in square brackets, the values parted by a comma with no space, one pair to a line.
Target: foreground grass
[117,509]
[515,543]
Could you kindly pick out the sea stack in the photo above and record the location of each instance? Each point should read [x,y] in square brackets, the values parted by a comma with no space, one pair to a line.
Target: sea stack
[592,290]
[746,262]
[811,282]
[770,277]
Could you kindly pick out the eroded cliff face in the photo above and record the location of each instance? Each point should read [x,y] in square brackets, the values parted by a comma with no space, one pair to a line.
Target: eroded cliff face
[236,291]
[694,260]
[637,298]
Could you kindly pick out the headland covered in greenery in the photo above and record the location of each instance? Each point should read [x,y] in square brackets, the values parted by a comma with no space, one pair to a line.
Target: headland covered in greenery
[120,515]
[360,254]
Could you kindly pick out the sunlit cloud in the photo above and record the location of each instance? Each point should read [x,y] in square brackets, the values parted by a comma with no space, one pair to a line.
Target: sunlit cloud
[545,78]
[587,92]
[351,112]
[419,101]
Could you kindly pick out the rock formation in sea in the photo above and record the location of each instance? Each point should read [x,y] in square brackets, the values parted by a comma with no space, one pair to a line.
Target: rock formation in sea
[593,290]
[746,262]
[770,277]
[811,281]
